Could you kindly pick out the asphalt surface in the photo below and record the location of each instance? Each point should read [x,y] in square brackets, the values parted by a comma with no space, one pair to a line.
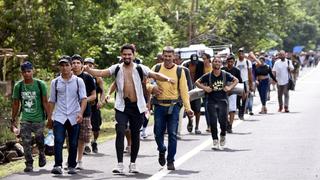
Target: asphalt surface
[273,146]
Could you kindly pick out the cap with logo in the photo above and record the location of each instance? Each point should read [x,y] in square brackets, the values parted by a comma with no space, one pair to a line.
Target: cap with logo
[27,65]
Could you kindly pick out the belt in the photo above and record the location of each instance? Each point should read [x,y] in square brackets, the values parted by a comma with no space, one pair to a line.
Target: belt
[165,101]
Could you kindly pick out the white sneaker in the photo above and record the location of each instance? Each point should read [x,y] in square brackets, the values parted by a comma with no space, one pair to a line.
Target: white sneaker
[80,165]
[133,168]
[143,134]
[119,169]
[215,144]
[222,141]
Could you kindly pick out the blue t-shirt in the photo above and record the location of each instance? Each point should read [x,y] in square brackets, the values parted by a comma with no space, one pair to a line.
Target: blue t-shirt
[218,94]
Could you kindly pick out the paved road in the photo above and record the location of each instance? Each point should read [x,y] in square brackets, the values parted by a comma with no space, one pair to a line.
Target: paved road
[273,146]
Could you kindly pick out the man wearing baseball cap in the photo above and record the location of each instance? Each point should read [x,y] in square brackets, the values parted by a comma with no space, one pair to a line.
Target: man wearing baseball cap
[68,102]
[96,120]
[30,95]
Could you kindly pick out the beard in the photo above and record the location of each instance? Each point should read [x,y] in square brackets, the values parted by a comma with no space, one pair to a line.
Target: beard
[126,62]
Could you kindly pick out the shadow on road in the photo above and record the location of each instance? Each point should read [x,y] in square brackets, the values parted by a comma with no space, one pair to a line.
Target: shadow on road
[226,150]
[182,172]
[147,156]
[98,155]
[185,139]
[130,175]
[36,173]
[240,133]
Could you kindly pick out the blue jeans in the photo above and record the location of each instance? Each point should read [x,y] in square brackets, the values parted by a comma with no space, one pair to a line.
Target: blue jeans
[59,132]
[249,102]
[163,120]
[263,90]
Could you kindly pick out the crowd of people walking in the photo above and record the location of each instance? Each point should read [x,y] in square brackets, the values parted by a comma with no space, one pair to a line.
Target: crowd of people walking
[72,108]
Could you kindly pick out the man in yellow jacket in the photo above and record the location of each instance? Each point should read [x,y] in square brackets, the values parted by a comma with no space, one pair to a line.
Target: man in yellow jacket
[167,106]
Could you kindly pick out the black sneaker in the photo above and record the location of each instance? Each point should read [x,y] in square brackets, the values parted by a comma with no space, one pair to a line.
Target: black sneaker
[28,169]
[56,170]
[170,166]
[87,150]
[94,147]
[162,158]
[42,160]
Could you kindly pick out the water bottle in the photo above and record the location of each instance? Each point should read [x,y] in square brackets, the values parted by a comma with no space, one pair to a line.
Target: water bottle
[49,139]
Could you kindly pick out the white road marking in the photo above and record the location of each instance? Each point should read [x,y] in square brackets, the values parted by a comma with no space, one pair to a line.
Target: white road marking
[187,156]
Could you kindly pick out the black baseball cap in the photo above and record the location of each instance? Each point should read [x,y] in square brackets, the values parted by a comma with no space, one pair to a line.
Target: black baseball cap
[65,59]
[27,65]
[76,57]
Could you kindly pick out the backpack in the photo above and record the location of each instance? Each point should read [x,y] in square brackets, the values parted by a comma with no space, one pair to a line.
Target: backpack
[20,83]
[224,78]
[235,64]
[139,69]
[144,85]
[56,89]
[179,70]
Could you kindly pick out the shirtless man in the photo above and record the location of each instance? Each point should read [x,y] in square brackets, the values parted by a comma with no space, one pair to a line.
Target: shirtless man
[130,104]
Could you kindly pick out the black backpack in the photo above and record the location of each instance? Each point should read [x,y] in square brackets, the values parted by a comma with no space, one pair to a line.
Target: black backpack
[56,90]
[139,69]
[144,85]
[179,71]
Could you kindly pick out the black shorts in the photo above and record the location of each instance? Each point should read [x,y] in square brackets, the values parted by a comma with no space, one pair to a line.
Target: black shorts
[196,105]
[96,120]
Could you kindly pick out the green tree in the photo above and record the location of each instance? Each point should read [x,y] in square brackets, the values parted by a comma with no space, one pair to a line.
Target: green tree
[140,26]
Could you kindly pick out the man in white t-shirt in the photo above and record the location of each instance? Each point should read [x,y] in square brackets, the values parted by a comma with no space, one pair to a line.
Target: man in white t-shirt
[281,69]
[245,67]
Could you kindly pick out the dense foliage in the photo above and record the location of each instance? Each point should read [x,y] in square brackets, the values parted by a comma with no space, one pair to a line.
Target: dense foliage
[46,29]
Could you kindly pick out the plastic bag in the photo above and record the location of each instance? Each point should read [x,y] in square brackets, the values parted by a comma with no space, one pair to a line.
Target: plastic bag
[49,143]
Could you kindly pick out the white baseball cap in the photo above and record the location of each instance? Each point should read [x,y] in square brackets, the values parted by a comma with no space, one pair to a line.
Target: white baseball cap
[89,60]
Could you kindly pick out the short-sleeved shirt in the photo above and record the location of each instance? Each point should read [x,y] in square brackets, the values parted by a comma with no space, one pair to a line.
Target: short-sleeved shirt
[67,100]
[234,71]
[31,101]
[120,103]
[281,69]
[243,67]
[90,86]
[218,94]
